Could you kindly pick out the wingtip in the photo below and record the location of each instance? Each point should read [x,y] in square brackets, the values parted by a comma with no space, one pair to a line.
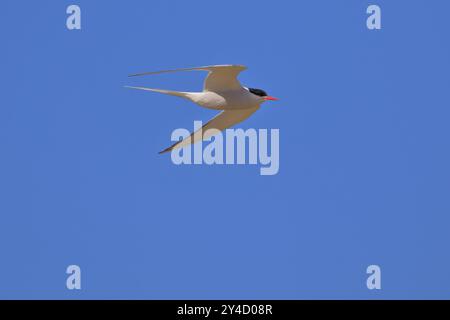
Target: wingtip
[139,74]
[204,68]
[165,151]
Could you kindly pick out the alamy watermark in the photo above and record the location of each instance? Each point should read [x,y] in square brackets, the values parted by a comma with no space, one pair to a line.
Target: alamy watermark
[73,281]
[374,280]
[73,21]
[233,146]
[374,20]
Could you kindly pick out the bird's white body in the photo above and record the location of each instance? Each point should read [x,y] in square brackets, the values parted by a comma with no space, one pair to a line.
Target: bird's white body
[222,91]
[227,100]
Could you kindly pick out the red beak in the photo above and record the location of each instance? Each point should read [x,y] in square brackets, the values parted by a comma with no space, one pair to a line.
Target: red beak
[270,98]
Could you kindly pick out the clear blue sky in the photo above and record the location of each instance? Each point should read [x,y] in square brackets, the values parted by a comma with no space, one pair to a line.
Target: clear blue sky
[364,151]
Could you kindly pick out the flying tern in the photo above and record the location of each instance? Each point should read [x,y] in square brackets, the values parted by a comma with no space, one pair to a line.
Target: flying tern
[221,91]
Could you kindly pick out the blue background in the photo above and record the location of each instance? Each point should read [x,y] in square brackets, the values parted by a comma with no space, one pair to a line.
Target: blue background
[364,151]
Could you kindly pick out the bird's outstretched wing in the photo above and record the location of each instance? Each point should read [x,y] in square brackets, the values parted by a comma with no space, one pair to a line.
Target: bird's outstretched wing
[223,120]
[220,78]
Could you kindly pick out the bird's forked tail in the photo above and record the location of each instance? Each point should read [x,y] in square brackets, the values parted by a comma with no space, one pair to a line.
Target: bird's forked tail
[169,92]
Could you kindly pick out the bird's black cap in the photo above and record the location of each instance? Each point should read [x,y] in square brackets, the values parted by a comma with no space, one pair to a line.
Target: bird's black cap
[258,92]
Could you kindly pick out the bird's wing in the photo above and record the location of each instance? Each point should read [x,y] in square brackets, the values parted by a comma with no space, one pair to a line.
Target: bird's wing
[223,120]
[220,78]
[223,78]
